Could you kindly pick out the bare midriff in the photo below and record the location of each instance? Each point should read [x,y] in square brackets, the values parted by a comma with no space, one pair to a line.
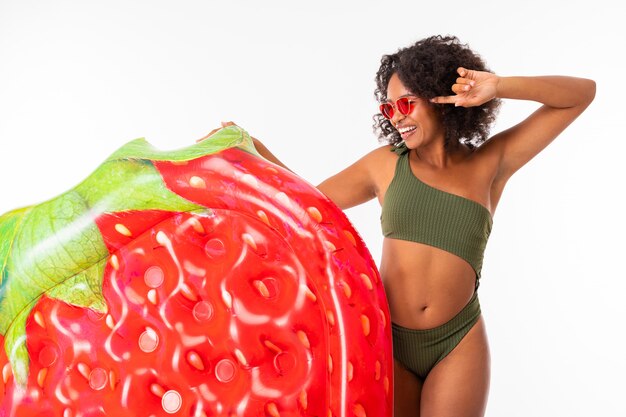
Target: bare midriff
[425,286]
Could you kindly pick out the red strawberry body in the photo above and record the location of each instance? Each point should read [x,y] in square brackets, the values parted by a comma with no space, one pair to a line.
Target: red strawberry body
[266,303]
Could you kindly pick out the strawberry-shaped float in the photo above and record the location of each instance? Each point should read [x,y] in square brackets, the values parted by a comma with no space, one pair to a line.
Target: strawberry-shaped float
[200,282]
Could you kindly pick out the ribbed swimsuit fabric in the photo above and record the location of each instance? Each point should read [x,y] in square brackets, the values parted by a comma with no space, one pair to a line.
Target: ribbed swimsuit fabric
[415,211]
[420,350]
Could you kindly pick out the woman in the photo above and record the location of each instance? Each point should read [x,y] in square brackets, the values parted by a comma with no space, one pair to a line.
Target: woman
[439,180]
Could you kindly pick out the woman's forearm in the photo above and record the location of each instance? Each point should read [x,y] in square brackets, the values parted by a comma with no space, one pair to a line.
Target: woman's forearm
[553,91]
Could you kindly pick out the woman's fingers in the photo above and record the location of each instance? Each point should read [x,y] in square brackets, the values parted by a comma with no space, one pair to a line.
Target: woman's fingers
[467,81]
[463,72]
[461,88]
[444,99]
[472,88]
[456,100]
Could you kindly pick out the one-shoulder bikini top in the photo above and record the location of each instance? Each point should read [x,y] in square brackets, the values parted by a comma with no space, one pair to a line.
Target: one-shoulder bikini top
[415,211]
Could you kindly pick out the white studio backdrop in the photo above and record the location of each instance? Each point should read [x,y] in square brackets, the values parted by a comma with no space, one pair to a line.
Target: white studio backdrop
[78,79]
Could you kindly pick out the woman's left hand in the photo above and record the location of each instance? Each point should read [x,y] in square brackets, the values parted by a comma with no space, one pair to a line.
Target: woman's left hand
[472,88]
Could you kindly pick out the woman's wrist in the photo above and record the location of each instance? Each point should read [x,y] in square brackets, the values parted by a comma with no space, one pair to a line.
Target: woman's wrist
[519,88]
[505,87]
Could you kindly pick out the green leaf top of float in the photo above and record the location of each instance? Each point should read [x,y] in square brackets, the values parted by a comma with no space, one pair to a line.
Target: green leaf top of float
[55,248]
[228,137]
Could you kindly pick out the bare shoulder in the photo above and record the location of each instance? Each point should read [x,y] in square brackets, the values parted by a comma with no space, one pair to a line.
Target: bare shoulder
[383,164]
[383,154]
[377,159]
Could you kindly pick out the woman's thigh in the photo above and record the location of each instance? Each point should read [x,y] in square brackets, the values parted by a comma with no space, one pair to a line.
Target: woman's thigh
[458,386]
[407,389]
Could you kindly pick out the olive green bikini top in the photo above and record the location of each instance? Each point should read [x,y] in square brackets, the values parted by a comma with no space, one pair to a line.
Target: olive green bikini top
[415,211]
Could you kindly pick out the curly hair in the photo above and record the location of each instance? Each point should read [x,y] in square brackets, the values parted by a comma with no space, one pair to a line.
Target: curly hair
[428,69]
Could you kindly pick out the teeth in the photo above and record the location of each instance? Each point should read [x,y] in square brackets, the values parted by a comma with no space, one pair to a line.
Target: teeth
[406,129]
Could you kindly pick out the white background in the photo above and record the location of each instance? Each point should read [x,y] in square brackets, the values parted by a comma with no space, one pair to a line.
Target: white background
[80,78]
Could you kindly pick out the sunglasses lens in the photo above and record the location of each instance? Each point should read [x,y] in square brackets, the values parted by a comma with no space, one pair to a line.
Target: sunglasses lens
[387,110]
[404,105]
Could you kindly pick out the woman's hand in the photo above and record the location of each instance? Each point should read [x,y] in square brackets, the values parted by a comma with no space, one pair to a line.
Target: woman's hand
[472,88]
[224,124]
[261,149]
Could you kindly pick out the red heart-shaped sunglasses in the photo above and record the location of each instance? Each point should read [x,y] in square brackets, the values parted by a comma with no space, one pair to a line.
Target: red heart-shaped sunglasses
[405,105]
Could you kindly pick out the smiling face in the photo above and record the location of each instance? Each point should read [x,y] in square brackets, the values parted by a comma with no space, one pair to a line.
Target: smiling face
[421,126]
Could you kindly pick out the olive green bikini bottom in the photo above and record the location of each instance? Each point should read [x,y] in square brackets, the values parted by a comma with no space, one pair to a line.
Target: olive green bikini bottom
[420,350]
